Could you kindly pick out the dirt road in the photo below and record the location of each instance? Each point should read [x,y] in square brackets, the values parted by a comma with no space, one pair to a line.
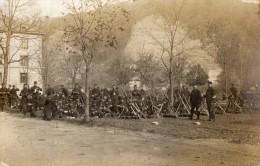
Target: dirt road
[34,142]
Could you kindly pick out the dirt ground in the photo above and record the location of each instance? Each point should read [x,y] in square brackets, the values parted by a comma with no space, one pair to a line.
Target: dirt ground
[232,140]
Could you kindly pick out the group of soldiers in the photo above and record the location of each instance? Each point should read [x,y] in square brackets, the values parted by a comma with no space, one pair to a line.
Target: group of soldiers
[196,100]
[110,101]
[8,96]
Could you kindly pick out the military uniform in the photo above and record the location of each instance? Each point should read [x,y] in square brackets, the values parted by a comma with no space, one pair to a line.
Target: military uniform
[49,110]
[14,97]
[210,94]
[64,92]
[136,95]
[234,92]
[35,92]
[9,97]
[195,100]
[49,91]
[3,97]
[114,96]
[76,93]
[24,99]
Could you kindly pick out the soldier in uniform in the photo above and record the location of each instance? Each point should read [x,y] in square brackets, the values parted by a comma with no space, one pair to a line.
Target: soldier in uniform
[76,93]
[64,91]
[96,93]
[49,104]
[142,92]
[3,97]
[114,94]
[136,94]
[35,91]
[210,97]
[24,98]
[14,96]
[195,101]
[233,91]
[9,97]
[96,98]
[49,91]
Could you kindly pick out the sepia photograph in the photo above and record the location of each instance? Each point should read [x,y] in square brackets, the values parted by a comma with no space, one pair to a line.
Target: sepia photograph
[129,82]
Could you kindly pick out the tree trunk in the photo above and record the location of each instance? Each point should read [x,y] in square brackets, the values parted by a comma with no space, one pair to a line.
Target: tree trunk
[225,76]
[6,57]
[152,84]
[73,79]
[171,89]
[87,94]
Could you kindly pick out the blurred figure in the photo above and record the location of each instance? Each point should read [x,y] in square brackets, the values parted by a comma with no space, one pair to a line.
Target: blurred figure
[210,96]
[35,91]
[14,96]
[3,97]
[195,101]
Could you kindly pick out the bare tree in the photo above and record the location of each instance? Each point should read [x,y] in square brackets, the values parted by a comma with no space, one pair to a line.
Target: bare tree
[71,64]
[148,68]
[173,32]
[90,25]
[13,21]
[226,42]
[121,70]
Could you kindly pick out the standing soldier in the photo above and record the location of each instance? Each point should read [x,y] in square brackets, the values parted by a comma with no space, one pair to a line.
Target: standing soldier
[233,91]
[195,100]
[96,97]
[49,90]
[9,100]
[3,97]
[64,91]
[210,96]
[114,94]
[76,92]
[35,91]
[49,110]
[95,93]
[14,96]
[142,92]
[24,100]
[136,94]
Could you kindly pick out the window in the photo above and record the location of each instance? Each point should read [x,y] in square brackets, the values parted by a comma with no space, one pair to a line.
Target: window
[24,60]
[23,78]
[24,43]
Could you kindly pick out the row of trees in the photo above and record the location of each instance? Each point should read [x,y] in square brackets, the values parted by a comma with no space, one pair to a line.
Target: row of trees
[93,31]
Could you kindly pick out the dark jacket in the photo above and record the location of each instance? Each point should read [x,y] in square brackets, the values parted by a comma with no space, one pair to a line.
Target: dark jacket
[50,91]
[195,97]
[209,94]
[114,94]
[234,92]
[136,94]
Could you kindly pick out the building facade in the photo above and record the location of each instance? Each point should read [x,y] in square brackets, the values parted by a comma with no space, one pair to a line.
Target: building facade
[25,59]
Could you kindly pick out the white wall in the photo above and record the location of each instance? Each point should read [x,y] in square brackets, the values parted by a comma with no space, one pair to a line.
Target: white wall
[34,52]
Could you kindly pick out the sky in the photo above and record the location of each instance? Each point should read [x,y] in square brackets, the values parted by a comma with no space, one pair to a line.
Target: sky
[54,8]
[51,8]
